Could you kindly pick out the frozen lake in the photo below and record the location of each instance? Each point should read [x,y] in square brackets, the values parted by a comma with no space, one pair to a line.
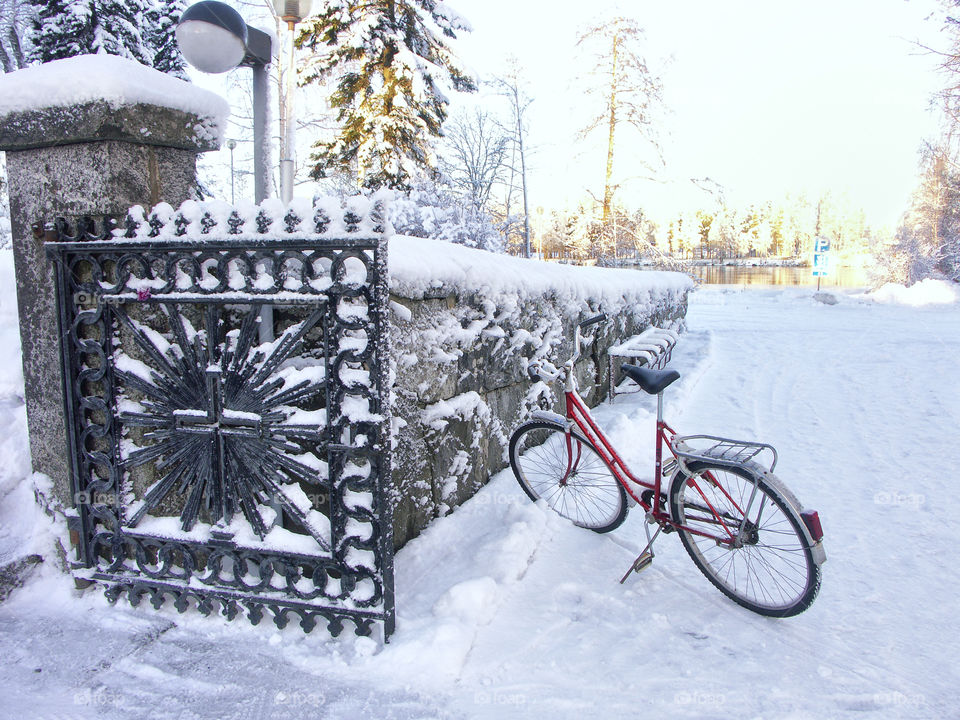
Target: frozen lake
[762,275]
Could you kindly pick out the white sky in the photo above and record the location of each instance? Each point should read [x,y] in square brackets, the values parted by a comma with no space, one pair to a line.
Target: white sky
[765,96]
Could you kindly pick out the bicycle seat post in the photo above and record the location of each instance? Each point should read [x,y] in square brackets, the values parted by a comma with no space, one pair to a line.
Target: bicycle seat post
[658,464]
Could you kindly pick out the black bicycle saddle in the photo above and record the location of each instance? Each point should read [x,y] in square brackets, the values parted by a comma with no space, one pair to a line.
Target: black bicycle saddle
[651,381]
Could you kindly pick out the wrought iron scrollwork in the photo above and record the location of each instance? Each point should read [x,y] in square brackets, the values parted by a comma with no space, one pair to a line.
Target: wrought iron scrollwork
[211,466]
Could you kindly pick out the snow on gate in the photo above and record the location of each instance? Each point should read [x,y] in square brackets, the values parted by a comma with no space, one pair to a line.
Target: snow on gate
[224,456]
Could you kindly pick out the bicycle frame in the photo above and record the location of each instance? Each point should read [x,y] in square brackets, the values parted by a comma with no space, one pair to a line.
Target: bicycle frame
[577,414]
[718,493]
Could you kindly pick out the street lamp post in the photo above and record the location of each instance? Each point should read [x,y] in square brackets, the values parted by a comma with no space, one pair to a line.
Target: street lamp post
[291,12]
[214,38]
[232,144]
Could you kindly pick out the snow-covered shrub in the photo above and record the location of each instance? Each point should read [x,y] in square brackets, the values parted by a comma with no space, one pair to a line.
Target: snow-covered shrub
[430,211]
[904,260]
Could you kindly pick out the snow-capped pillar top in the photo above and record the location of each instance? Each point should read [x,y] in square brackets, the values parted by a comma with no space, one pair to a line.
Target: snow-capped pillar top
[102,97]
[88,136]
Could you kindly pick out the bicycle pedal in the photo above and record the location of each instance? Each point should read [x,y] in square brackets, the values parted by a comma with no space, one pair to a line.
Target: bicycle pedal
[643,561]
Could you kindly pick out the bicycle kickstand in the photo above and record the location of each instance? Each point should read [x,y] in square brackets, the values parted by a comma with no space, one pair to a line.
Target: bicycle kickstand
[645,558]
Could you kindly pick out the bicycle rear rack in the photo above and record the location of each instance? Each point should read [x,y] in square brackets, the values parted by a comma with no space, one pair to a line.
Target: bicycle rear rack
[724,451]
[652,348]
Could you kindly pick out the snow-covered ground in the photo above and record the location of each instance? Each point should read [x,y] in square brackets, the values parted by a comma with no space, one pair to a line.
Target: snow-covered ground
[506,611]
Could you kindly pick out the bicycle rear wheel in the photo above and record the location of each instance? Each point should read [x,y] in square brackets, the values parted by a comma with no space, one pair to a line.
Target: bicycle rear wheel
[568,474]
[769,567]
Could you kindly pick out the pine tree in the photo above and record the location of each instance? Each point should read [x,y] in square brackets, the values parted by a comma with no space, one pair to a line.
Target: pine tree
[161,22]
[120,29]
[62,29]
[392,66]
[67,28]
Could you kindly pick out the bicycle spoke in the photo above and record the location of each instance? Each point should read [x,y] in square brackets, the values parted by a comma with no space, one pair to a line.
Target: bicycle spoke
[766,567]
[568,475]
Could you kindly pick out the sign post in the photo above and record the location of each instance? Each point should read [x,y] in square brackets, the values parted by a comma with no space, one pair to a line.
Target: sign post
[821,259]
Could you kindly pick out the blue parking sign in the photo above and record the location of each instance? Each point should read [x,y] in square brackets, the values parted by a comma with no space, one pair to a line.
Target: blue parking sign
[821,264]
[821,257]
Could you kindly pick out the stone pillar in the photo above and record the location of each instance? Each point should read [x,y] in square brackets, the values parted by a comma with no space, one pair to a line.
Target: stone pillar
[93,158]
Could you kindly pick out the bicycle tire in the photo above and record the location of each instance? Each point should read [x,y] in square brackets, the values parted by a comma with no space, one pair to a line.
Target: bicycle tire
[589,495]
[773,572]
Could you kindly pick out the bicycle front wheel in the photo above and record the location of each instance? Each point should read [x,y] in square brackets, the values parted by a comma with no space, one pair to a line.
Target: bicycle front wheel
[745,537]
[567,473]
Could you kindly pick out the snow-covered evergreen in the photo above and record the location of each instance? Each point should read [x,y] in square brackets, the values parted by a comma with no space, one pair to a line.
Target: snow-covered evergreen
[161,21]
[62,29]
[141,30]
[430,211]
[394,70]
[120,29]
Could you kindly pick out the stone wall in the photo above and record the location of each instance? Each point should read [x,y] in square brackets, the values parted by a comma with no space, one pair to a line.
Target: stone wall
[460,348]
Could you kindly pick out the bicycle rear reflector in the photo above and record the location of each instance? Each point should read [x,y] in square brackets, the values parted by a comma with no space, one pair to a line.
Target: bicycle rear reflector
[812,520]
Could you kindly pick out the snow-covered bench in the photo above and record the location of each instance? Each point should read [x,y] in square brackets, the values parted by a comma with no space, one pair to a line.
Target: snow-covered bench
[652,348]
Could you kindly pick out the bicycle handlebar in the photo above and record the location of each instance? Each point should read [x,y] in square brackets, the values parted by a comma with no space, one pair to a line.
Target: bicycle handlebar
[545,370]
[593,320]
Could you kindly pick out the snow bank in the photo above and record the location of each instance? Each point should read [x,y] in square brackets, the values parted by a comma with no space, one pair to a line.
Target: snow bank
[925,292]
[426,268]
[118,81]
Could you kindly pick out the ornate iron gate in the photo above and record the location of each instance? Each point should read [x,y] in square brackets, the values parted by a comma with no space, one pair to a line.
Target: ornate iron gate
[213,462]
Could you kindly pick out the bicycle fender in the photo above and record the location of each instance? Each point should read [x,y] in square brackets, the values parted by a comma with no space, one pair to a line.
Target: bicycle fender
[816,546]
[550,417]
[560,421]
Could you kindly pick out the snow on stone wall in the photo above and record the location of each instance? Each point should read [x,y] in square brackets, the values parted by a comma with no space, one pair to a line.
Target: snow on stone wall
[464,322]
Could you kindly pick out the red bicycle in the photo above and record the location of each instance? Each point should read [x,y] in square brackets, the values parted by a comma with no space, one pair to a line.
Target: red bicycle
[742,527]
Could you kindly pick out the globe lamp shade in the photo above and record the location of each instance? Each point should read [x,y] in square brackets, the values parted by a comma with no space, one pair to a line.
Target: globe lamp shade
[212,36]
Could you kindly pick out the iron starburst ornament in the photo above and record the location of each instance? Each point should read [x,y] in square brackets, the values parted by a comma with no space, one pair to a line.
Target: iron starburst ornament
[223,416]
